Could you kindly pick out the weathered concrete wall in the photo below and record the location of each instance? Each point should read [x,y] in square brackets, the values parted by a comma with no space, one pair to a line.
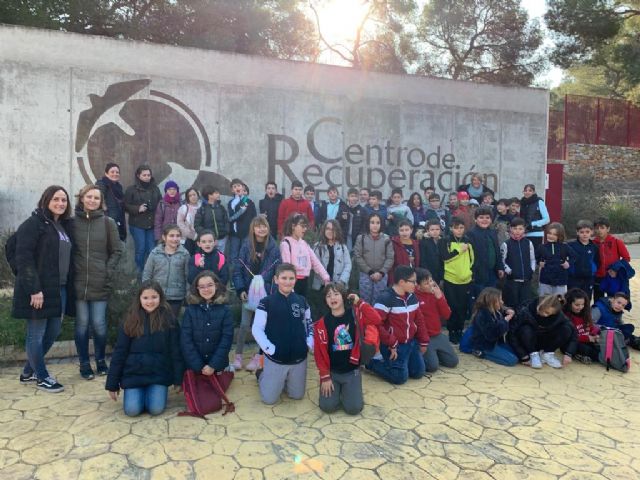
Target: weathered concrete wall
[71,103]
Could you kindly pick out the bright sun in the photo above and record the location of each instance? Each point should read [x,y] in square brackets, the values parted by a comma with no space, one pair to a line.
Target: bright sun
[339,19]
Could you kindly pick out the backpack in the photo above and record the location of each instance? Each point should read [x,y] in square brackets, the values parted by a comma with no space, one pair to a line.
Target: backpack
[369,339]
[613,351]
[204,394]
[10,252]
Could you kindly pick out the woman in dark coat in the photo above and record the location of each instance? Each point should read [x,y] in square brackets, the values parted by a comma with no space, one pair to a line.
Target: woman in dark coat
[141,200]
[44,281]
[98,250]
[113,195]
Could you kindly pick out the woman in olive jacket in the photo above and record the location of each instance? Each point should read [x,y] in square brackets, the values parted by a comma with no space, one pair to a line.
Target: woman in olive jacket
[98,250]
[42,292]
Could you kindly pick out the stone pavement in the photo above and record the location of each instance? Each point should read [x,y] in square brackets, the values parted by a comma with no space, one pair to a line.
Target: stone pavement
[478,421]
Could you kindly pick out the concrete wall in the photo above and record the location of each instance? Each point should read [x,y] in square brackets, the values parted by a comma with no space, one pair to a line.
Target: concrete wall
[71,103]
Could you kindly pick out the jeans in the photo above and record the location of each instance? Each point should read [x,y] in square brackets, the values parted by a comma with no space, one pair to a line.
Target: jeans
[152,398]
[409,363]
[369,291]
[41,333]
[144,242]
[501,354]
[246,319]
[92,313]
[234,246]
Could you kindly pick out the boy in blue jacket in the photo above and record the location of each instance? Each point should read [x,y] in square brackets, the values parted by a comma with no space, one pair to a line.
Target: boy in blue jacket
[585,259]
[282,327]
[488,266]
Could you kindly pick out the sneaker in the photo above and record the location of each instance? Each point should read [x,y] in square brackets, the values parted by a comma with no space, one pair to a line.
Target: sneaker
[86,372]
[49,384]
[237,363]
[583,359]
[254,364]
[258,373]
[534,359]
[28,379]
[102,367]
[550,359]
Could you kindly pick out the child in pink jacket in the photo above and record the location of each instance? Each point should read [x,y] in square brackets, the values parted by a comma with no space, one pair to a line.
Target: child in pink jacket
[294,250]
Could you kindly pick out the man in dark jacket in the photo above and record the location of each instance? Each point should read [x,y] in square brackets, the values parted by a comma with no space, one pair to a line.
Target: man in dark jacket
[241,211]
[269,205]
[212,216]
[334,209]
[357,218]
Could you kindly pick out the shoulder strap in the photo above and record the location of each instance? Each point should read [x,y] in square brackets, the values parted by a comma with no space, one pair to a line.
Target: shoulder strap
[108,234]
[229,407]
[290,249]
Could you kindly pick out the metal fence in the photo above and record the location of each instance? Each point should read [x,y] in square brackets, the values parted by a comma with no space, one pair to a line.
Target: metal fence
[594,121]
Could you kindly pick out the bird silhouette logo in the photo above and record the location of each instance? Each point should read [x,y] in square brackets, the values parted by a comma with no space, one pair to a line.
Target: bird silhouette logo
[131,124]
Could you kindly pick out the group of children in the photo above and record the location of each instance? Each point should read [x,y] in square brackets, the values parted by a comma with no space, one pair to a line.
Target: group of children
[419,267]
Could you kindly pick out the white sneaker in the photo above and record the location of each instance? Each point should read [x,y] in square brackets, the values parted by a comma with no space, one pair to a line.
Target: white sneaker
[550,359]
[534,358]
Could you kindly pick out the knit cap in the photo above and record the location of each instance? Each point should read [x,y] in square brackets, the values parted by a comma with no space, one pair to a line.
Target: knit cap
[171,184]
[463,196]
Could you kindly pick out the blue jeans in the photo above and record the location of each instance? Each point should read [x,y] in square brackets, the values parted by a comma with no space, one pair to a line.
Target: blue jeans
[409,363]
[152,398]
[144,242]
[92,313]
[41,333]
[234,246]
[501,354]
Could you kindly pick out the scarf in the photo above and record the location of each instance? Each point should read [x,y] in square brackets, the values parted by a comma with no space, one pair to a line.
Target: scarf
[168,199]
[473,191]
[528,201]
[115,188]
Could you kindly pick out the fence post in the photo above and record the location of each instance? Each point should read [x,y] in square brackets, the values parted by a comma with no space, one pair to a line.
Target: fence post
[566,131]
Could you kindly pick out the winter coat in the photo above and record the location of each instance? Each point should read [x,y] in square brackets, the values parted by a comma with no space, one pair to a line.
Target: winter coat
[604,315]
[186,218]
[364,315]
[289,206]
[489,329]
[215,262]
[458,267]
[586,259]
[419,218]
[430,258]
[341,263]
[485,241]
[373,255]
[342,216]
[434,311]
[441,214]
[206,335]
[142,193]
[519,259]
[166,214]
[398,213]
[170,271]
[113,195]
[402,320]
[37,247]
[152,359]
[97,253]
[610,250]
[299,253]
[535,214]
[620,283]
[357,218]
[401,257]
[485,189]
[269,207]
[368,211]
[212,217]
[554,254]
[240,217]
[270,260]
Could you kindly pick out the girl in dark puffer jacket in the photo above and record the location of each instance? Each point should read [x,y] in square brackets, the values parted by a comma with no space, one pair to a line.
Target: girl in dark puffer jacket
[207,326]
[146,358]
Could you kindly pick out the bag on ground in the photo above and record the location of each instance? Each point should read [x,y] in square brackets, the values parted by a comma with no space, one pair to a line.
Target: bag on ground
[613,351]
[204,394]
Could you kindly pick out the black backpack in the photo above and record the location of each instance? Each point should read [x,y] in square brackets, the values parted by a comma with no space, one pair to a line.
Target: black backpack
[10,252]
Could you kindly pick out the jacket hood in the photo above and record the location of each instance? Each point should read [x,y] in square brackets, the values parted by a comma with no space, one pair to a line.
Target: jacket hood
[194,299]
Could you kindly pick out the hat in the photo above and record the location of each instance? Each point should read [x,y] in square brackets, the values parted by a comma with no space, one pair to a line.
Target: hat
[463,196]
[171,184]
[473,201]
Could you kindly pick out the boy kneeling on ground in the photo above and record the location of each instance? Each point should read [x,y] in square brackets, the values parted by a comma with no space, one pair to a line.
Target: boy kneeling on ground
[282,327]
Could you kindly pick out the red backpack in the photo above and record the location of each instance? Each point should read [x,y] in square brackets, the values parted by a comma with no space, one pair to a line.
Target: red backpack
[204,394]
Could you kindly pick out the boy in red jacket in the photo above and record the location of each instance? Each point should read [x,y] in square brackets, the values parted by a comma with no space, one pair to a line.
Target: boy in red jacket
[403,334]
[296,203]
[610,250]
[435,310]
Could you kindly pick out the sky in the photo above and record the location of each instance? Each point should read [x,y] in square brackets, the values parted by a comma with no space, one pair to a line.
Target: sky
[537,9]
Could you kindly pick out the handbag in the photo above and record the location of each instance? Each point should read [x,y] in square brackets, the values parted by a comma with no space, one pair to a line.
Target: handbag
[256,290]
[204,394]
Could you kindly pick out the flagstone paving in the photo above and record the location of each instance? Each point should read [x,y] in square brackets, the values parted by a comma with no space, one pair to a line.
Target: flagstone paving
[478,421]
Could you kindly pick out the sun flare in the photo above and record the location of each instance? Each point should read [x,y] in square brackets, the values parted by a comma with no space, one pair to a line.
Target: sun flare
[339,19]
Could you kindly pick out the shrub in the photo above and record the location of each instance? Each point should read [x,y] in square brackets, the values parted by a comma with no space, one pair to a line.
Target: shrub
[621,213]
[6,275]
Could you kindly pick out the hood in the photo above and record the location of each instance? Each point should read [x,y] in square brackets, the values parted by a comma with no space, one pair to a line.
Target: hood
[194,299]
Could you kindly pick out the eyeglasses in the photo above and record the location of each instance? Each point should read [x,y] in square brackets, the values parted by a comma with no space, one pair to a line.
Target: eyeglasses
[411,281]
[208,286]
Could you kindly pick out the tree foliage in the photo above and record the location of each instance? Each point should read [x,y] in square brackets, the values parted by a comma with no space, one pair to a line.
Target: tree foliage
[278,28]
[482,40]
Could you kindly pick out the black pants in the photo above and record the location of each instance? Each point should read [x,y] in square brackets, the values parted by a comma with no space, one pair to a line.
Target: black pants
[175,305]
[515,293]
[458,299]
[591,350]
[527,339]
[584,284]
[597,291]
[301,286]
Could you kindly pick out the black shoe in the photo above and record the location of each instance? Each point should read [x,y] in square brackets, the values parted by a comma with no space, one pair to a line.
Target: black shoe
[258,373]
[86,372]
[49,384]
[102,368]
[28,379]
[454,337]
